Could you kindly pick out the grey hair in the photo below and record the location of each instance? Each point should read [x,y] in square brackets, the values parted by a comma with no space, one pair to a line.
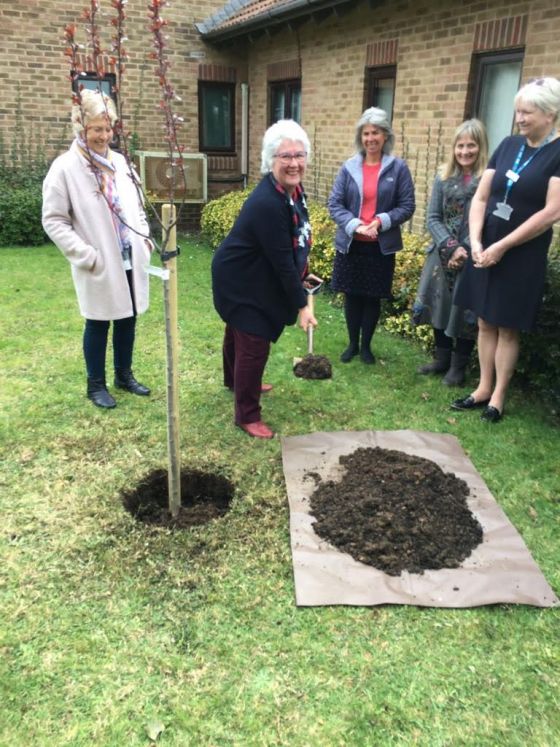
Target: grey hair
[284,129]
[377,118]
[544,93]
[94,104]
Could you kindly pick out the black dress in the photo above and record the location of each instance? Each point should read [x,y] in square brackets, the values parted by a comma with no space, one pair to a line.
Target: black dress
[509,294]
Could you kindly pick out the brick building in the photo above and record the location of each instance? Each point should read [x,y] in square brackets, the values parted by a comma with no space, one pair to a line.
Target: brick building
[239,66]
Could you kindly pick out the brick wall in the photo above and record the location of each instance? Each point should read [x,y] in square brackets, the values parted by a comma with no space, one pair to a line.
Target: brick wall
[34,71]
[431,42]
[434,44]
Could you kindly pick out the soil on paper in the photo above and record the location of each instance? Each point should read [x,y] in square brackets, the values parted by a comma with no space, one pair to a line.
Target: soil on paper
[396,512]
[204,496]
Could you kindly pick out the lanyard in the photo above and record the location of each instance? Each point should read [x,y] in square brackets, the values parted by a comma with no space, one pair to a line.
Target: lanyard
[516,169]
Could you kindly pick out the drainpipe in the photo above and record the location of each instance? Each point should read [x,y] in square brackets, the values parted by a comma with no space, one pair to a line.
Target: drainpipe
[245,132]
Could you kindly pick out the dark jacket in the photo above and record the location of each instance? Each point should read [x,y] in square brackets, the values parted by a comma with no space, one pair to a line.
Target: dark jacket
[255,282]
[395,202]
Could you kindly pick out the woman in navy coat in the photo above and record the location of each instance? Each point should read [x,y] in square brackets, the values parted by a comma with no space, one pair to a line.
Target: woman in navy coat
[258,271]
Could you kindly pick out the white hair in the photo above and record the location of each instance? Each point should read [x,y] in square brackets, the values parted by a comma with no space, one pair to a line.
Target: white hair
[377,118]
[93,103]
[284,129]
[544,93]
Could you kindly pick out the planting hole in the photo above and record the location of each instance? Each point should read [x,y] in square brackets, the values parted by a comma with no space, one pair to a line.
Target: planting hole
[204,496]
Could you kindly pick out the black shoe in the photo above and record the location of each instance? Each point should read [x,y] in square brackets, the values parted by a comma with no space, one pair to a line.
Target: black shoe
[97,392]
[468,403]
[124,379]
[491,414]
[367,356]
[350,352]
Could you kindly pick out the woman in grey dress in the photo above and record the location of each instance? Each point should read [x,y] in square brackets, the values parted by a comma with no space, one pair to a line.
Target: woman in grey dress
[454,327]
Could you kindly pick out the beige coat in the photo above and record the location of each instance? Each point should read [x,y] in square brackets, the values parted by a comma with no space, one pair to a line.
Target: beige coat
[78,220]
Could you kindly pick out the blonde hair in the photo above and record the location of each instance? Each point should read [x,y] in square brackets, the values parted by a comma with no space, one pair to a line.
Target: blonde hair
[93,104]
[544,93]
[469,128]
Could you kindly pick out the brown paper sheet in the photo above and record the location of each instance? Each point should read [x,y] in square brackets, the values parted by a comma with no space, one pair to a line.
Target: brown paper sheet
[500,569]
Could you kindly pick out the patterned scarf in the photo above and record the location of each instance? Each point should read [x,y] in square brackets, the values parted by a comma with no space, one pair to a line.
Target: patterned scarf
[106,173]
[301,227]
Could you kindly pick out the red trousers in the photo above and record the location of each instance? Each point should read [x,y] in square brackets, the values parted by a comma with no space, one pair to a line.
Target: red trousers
[245,357]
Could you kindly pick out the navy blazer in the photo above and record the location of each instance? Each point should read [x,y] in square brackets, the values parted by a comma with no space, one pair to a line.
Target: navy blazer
[255,281]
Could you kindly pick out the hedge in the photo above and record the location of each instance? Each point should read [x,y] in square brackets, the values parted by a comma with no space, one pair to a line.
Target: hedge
[20,216]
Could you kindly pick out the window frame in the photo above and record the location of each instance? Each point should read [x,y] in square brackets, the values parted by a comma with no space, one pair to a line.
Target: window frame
[479,62]
[374,73]
[111,78]
[205,147]
[289,85]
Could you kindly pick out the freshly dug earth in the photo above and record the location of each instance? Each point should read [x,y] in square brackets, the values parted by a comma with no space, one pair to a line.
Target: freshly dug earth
[313,367]
[396,512]
[204,496]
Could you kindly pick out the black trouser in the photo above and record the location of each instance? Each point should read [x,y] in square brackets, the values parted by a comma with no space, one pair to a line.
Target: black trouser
[95,345]
[362,314]
[462,344]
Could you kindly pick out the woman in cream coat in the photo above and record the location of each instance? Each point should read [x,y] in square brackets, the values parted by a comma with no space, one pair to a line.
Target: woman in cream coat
[93,212]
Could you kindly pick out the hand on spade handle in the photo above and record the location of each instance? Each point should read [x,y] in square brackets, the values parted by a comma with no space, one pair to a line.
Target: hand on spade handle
[306,318]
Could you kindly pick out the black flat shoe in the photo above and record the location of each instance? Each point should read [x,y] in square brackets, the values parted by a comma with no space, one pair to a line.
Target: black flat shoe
[468,403]
[367,356]
[348,354]
[491,414]
[124,379]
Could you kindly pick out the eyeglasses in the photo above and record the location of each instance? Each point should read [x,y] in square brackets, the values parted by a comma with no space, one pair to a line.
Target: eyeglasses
[286,158]
[537,81]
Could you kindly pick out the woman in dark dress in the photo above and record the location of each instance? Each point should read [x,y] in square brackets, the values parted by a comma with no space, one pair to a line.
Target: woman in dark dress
[511,218]
[454,328]
[258,271]
[372,196]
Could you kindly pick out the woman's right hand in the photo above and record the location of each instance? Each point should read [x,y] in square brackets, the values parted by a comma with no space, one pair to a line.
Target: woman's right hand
[306,318]
[476,250]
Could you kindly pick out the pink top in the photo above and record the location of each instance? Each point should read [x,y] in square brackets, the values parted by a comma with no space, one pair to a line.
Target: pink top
[369,204]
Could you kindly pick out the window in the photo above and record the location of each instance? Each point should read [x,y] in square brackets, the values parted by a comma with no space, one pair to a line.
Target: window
[285,100]
[216,117]
[380,88]
[495,80]
[91,81]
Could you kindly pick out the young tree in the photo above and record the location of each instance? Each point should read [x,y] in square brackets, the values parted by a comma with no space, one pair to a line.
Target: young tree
[166,246]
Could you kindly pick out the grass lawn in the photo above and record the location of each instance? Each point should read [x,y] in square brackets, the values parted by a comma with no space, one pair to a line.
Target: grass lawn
[109,626]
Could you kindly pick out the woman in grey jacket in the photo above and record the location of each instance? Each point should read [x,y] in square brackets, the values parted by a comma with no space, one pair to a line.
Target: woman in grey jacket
[372,196]
[441,276]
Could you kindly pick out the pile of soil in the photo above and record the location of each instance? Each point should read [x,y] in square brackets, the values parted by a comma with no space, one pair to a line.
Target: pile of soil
[396,512]
[204,496]
[313,367]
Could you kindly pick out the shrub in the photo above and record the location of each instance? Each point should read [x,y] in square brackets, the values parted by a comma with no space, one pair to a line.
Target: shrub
[218,216]
[20,216]
[408,266]
[22,171]
[539,359]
